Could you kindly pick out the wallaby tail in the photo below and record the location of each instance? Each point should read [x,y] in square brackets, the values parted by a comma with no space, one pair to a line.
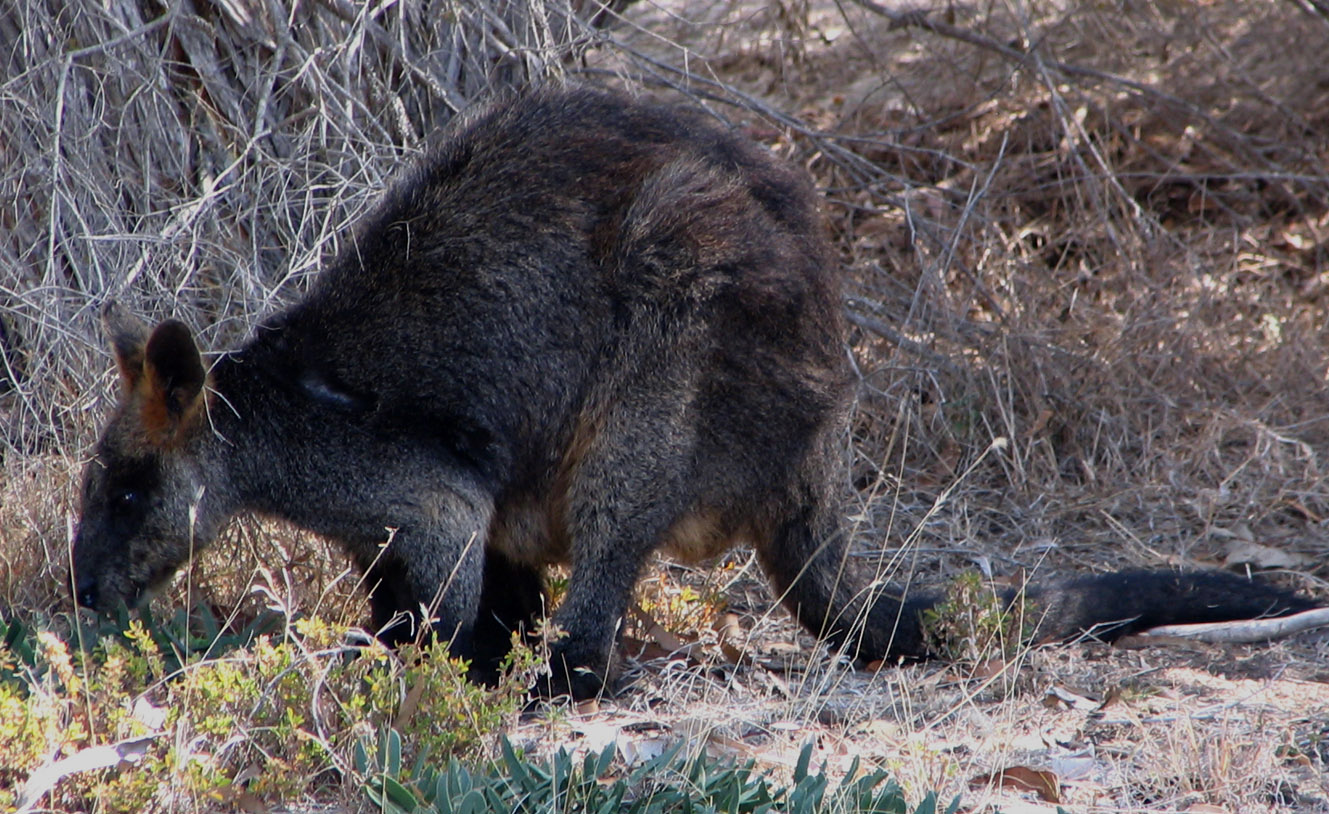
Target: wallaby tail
[1109,606]
[809,564]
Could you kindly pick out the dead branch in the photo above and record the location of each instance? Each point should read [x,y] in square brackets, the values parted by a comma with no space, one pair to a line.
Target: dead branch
[1242,632]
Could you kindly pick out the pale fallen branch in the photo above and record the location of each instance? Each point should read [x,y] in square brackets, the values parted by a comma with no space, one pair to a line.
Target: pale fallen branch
[115,755]
[1242,632]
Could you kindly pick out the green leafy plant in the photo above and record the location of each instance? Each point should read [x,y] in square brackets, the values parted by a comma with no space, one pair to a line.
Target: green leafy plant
[974,624]
[672,782]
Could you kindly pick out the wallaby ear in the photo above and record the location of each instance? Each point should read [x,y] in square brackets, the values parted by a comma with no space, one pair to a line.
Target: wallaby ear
[129,338]
[174,367]
[173,379]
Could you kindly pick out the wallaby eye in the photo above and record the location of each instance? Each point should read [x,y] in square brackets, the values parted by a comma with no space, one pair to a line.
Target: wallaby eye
[127,499]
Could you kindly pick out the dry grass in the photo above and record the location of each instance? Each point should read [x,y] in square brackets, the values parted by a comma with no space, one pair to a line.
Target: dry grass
[1100,232]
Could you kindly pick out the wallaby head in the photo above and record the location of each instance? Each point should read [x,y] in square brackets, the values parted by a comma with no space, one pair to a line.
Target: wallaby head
[143,490]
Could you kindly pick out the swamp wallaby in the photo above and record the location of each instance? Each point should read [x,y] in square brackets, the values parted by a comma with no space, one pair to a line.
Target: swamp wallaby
[584,328]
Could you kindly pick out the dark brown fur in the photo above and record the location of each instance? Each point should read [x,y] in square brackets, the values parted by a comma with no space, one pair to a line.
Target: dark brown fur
[583,329]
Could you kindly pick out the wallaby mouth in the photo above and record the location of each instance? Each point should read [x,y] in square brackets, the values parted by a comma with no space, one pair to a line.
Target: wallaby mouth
[91,593]
[104,596]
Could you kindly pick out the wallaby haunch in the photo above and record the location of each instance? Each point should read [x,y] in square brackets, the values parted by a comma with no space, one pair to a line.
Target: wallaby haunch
[585,328]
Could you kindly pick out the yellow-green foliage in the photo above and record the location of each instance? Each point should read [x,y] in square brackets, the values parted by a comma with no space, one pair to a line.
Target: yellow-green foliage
[34,720]
[275,720]
[682,608]
[436,707]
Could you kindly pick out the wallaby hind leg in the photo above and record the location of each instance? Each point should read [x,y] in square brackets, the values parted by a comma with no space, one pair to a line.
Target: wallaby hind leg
[615,538]
[622,497]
